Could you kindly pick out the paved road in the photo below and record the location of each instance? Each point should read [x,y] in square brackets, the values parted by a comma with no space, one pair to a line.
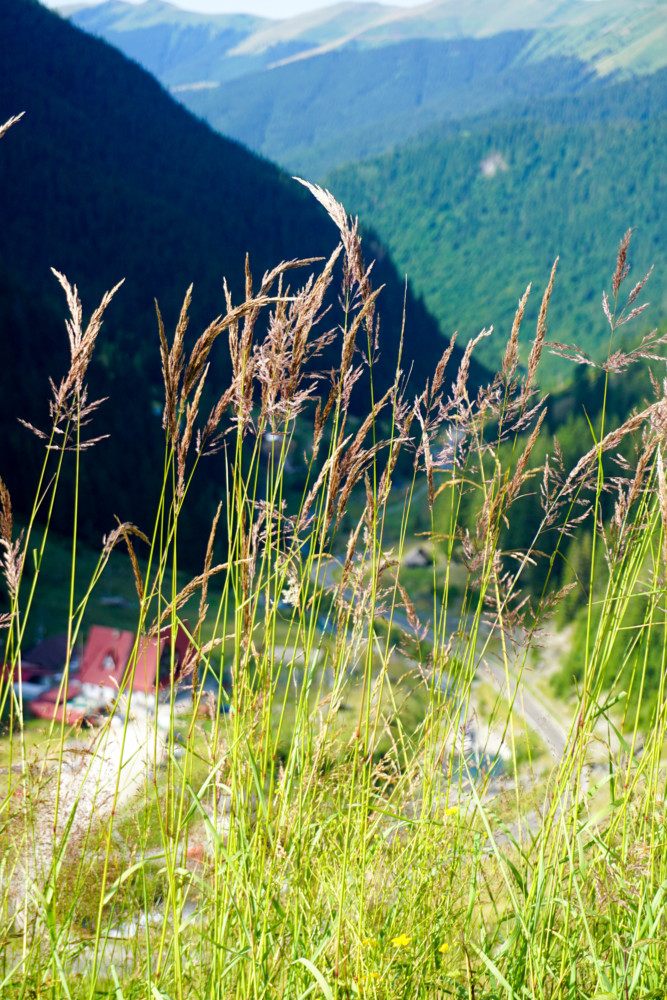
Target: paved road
[537,716]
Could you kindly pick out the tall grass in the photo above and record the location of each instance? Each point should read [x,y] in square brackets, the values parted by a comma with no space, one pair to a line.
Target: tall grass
[355,824]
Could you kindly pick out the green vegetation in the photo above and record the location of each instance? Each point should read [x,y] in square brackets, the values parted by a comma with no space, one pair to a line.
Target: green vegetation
[106,179]
[182,47]
[502,148]
[407,790]
[312,115]
[277,849]
[341,84]
[463,209]
[174,45]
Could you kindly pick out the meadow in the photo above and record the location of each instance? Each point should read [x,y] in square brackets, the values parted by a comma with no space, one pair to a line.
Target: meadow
[384,799]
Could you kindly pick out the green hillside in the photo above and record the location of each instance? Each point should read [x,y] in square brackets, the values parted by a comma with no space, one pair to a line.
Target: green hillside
[474,213]
[107,178]
[354,80]
[614,34]
[312,115]
[177,46]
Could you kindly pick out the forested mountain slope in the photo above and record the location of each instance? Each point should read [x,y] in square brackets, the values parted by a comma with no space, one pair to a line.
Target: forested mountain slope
[616,34]
[475,211]
[356,79]
[312,115]
[107,177]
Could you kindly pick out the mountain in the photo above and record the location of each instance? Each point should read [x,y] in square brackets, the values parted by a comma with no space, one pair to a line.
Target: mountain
[177,46]
[107,177]
[312,115]
[616,34]
[475,210]
[356,79]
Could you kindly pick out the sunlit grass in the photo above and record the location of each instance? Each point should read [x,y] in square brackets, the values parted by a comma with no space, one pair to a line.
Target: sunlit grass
[362,812]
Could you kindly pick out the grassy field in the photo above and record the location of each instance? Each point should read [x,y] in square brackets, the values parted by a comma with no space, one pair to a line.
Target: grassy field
[386,809]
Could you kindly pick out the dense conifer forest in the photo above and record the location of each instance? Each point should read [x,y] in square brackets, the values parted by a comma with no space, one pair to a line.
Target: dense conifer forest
[108,178]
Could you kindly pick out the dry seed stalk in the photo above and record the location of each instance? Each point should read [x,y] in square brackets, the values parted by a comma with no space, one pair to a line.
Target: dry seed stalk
[6,517]
[655,412]
[540,336]
[622,267]
[81,344]
[126,530]
[511,358]
[460,390]
[69,407]
[10,121]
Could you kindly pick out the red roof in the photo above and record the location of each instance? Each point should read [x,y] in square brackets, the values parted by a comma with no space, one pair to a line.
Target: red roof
[106,664]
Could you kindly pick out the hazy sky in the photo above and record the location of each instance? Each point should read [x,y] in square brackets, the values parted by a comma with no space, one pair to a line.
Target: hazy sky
[267,8]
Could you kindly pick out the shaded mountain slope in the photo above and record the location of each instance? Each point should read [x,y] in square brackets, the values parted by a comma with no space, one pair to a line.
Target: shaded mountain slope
[106,178]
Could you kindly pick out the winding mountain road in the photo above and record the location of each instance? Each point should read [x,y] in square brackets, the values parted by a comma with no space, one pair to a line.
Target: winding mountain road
[537,715]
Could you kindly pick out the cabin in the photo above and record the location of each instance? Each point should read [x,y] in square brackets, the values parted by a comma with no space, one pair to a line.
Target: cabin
[112,661]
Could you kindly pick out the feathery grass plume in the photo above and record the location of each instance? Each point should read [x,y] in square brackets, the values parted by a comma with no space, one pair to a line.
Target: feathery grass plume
[6,516]
[655,415]
[540,336]
[172,365]
[181,377]
[622,266]
[252,364]
[10,121]
[191,413]
[460,386]
[646,350]
[357,275]
[440,369]
[124,531]
[283,361]
[244,360]
[522,474]
[304,314]
[511,359]
[12,565]
[326,470]
[571,352]
[365,316]
[634,293]
[81,343]
[629,489]
[401,440]
[69,407]
[12,557]
[436,413]
[355,460]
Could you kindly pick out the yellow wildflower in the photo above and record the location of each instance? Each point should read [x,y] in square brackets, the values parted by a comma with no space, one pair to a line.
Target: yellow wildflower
[369,942]
[443,948]
[402,941]
[451,811]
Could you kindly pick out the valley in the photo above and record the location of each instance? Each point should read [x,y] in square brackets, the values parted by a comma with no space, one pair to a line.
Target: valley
[346,509]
